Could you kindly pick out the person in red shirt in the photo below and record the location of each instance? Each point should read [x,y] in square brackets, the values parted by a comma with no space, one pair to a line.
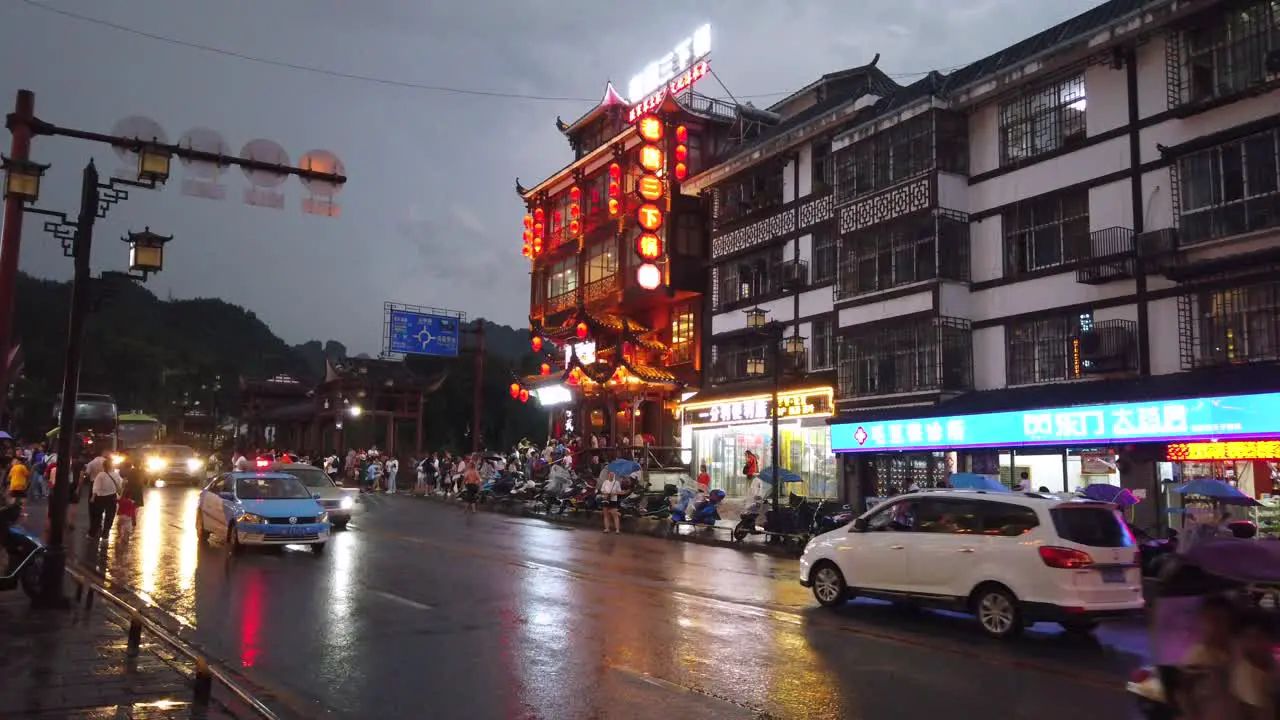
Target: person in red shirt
[704,480]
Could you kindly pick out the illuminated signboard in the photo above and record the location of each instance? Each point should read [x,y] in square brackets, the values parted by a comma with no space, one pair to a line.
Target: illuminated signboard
[586,352]
[815,402]
[1238,450]
[1251,416]
[672,74]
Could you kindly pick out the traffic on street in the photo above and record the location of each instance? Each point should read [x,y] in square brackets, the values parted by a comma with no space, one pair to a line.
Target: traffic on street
[487,615]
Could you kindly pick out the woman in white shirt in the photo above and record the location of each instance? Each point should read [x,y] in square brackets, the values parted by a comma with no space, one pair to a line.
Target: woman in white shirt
[611,499]
[105,491]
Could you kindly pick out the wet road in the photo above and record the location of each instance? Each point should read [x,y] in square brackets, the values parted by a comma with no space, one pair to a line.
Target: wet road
[420,611]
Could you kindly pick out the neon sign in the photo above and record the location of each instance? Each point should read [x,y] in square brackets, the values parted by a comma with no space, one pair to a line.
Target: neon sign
[683,56]
[1213,419]
[1210,451]
[674,87]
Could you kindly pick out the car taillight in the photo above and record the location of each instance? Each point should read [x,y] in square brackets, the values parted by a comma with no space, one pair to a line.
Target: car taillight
[1139,676]
[1064,558]
[263,463]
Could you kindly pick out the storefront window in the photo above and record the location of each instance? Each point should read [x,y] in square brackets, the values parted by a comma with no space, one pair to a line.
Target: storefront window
[804,450]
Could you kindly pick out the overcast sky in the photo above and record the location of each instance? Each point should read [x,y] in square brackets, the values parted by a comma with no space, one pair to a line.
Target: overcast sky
[429,215]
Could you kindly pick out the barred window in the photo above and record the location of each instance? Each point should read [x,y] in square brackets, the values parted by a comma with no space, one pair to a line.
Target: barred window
[1040,350]
[1043,121]
[905,357]
[1045,231]
[885,159]
[1230,189]
[1237,325]
[822,345]
[750,277]
[824,254]
[823,169]
[1228,55]
[924,246]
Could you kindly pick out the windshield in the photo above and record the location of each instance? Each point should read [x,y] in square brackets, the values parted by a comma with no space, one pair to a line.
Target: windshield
[310,476]
[133,434]
[97,416]
[1092,525]
[271,488]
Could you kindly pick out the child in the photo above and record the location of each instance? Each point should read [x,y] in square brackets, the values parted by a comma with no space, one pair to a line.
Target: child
[127,514]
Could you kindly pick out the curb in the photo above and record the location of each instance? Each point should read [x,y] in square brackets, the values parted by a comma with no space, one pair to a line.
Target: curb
[630,526]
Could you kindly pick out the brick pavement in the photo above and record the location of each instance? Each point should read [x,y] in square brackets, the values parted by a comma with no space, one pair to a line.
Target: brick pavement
[75,664]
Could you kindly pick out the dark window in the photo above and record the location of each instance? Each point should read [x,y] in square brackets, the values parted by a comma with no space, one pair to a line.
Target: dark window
[735,362]
[1046,231]
[1043,121]
[949,516]
[897,472]
[755,191]
[823,167]
[822,344]
[885,159]
[1040,350]
[899,516]
[1228,54]
[1007,520]
[824,254]
[906,356]
[1230,189]
[750,277]
[1092,526]
[562,278]
[925,246]
[688,235]
[1233,326]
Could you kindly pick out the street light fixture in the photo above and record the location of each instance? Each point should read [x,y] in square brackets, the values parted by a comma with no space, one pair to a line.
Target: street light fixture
[756,318]
[153,163]
[758,323]
[795,345]
[146,252]
[22,179]
[355,411]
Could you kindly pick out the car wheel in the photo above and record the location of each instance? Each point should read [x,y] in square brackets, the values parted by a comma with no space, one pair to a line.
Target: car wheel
[1080,626]
[340,524]
[233,539]
[201,533]
[997,611]
[317,548]
[829,587]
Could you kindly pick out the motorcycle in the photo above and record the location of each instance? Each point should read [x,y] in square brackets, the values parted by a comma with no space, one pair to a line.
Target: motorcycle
[644,503]
[801,520]
[26,553]
[693,510]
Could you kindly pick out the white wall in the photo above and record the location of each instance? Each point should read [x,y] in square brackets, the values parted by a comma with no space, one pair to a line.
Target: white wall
[953,300]
[789,181]
[1077,167]
[806,172]
[953,192]
[1103,87]
[984,138]
[816,301]
[988,358]
[782,310]
[871,312]
[986,249]
[1110,206]
[1119,312]
[1152,78]
[1042,294]
[1162,333]
[1177,131]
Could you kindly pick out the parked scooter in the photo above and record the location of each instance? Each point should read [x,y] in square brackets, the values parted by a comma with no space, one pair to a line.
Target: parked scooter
[694,510]
[643,503]
[26,553]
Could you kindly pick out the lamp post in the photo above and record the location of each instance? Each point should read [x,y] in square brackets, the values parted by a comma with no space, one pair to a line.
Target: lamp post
[759,324]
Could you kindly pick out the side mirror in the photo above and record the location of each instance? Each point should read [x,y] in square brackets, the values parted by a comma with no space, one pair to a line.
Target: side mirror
[315,496]
[227,495]
[860,525]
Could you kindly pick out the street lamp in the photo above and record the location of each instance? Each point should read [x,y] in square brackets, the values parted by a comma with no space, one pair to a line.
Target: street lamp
[146,253]
[758,323]
[22,179]
[153,163]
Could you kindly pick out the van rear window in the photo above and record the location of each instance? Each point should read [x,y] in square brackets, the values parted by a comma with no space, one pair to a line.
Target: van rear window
[1091,525]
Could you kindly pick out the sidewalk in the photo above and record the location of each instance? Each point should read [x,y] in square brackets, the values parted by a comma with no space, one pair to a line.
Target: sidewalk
[718,537]
[75,664]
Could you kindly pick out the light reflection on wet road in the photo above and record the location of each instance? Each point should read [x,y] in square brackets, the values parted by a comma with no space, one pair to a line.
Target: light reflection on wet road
[421,611]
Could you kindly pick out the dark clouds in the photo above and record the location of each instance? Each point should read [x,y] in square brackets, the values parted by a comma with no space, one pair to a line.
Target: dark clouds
[430,215]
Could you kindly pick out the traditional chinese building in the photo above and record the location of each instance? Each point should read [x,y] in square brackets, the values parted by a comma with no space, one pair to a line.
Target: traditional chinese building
[618,261]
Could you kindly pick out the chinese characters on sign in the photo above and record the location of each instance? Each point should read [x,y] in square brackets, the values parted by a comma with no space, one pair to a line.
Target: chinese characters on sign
[811,403]
[1254,416]
[1209,451]
[682,57]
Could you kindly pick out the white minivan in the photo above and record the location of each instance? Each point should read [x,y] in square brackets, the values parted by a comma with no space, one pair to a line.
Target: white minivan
[1011,559]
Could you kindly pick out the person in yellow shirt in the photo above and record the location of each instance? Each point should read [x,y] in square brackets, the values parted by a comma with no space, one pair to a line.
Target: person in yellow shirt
[19,478]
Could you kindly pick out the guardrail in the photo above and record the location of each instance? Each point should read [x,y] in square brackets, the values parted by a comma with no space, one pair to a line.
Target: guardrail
[206,674]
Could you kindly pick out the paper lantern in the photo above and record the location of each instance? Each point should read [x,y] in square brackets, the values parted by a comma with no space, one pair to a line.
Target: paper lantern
[524,396]
[528,222]
[539,215]
[682,171]
[582,331]
[515,390]
[536,343]
[648,276]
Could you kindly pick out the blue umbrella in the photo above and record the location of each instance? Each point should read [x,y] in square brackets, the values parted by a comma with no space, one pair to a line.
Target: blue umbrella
[622,466]
[1217,491]
[974,481]
[5,436]
[1102,492]
[766,475]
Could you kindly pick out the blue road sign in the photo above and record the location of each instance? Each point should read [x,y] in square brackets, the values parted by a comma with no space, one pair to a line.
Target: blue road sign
[414,333]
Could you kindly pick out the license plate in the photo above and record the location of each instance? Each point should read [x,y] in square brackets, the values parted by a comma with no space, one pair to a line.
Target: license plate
[1112,575]
[294,530]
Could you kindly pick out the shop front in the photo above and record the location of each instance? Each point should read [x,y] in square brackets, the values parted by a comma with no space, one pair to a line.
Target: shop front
[721,431]
[1061,449]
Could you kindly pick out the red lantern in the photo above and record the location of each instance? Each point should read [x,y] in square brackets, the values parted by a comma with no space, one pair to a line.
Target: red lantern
[582,331]
[682,134]
[615,171]
[575,226]
[682,171]
[528,222]
[536,343]
[546,369]
[575,193]
[527,251]
[524,396]
[515,390]
[614,207]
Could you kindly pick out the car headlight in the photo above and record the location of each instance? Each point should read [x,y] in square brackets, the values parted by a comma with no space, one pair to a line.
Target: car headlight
[194,464]
[156,464]
[251,519]
[117,458]
[346,503]
[322,517]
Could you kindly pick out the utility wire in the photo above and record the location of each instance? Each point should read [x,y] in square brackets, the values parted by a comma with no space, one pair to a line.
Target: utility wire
[353,76]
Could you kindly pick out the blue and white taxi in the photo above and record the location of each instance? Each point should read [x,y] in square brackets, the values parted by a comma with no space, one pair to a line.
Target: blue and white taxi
[261,508]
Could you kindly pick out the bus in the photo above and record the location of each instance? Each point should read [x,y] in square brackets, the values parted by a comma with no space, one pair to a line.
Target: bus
[97,422]
[137,429]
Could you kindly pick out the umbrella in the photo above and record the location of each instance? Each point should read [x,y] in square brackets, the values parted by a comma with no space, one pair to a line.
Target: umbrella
[5,436]
[1217,491]
[622,466]
[1102,492]
[766,475]
[974,481]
